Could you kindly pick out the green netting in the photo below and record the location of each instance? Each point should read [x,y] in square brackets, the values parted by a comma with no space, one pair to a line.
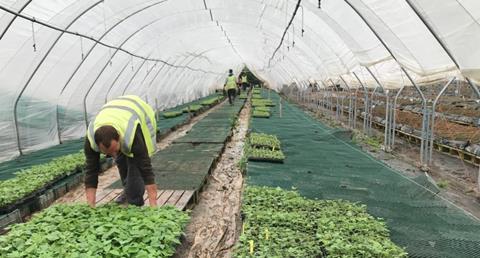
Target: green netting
[214,128]
[165,124]
[323,163]
[8,168]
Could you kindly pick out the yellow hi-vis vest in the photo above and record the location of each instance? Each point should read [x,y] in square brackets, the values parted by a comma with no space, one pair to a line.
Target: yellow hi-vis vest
[124,114]
[231,83]
[244,79]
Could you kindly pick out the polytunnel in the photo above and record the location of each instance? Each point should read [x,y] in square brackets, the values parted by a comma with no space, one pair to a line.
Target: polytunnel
[286,128]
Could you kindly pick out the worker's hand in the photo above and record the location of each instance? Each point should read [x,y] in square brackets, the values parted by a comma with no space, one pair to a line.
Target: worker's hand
[152,194]
[91,196]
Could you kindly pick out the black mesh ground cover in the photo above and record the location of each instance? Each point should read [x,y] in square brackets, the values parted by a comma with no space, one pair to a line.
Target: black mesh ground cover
[323,164]
[185,164]
[165,124]
[8,168]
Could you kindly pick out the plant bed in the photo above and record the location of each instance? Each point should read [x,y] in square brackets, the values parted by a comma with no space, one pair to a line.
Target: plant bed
[211,101]
[261,114]
[106,231]
[262,108]
[256,96]
[28,182]
[262,102]
[281,223]
[172,114]
[264,141]
[266,155]
[192,108]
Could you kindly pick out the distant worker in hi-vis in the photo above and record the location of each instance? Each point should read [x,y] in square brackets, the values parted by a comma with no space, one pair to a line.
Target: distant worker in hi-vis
[244,81]
[125,129]
[231,86]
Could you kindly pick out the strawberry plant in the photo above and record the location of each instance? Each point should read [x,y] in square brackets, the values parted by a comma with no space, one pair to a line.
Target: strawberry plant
[243,96]
[264,140]
[105,231]
[282,223]
[172,114]
[29,180]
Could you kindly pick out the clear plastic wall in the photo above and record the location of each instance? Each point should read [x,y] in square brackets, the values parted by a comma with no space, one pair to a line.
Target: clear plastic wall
[60,61]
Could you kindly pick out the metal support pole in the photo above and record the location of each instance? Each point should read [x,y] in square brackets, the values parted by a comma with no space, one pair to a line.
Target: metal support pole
[392,123]
[366,104]
[433,116]
[375,78]
[371,106]
[386,140]
[337,109]
[474,87]
[350,113]
[355,109]
[395,114]
[424,107]
[393,56]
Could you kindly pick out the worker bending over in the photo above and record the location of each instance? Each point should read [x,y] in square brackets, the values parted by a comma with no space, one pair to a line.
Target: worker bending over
[125,129]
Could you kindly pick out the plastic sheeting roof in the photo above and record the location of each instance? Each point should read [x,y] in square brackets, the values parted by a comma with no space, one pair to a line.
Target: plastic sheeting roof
[60,61]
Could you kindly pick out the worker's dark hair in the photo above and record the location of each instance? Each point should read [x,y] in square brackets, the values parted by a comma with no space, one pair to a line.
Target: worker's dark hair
[105,134]
[230,71]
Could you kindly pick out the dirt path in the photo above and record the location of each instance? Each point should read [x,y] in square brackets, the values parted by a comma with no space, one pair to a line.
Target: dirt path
[111,175]
[215,220]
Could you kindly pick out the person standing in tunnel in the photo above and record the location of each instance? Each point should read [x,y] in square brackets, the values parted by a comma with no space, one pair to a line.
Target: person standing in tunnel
[125,129]
[231,86]
[244,81]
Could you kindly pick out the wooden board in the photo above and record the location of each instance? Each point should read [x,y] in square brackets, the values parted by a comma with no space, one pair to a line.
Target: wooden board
[164,197]
[174,198]
[184,200]
[111,196]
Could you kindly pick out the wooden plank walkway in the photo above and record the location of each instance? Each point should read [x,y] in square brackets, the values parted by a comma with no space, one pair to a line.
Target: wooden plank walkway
[178,198]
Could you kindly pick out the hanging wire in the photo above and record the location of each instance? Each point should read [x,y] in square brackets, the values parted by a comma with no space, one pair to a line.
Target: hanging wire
[52,27]
[303,31]
[131,62]
[293,35]
[33,37]
[285,32]
[81,47]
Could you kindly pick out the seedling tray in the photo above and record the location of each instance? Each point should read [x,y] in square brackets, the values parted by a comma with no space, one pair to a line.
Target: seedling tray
[258,159]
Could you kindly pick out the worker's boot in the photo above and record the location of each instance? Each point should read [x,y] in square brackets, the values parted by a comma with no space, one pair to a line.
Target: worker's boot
[121,199]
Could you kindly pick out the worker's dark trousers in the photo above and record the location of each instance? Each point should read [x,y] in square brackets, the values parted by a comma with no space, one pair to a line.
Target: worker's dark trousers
[132,181]
[231,95]
[244,86]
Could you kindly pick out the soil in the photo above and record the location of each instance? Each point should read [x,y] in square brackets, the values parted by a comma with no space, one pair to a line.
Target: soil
[215,221]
